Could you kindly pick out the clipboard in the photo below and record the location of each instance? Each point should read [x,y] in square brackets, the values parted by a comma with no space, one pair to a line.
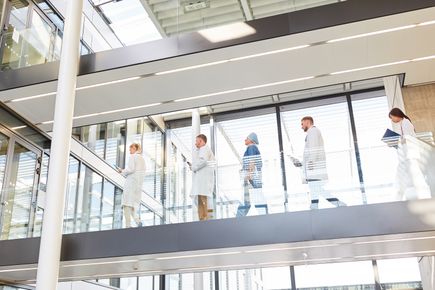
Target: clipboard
[391,138]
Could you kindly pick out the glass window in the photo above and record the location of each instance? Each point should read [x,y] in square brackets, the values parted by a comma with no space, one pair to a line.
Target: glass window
[152,152]
[337,274]
[88,201]
[129,283]
[108,206]
[399,270]
[19,194]
[124,15]
[378,161]
[115,147]
[276,278]
[250,180]
[4,142]
[341,170]
[71,195]
[94,137]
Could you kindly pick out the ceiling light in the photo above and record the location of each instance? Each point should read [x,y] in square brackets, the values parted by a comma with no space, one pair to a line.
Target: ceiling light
[191,67]
[108,83]
[292,248]
[31,97]
[116,111]
[227,32]
[197,256]
[99,263]
[424,58]
[270,52]
[18,270]
[372,33]
[370,67]
[277,83]
[207,95]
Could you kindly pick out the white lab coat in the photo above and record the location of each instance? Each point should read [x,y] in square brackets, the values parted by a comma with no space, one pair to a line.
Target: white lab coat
[134,173]
[314,161]
[203,168]
[405,128]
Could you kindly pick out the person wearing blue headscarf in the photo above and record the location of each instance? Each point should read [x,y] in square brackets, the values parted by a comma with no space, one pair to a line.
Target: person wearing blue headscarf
[251,172]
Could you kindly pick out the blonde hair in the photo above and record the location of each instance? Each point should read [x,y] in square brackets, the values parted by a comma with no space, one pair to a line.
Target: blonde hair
[135,145]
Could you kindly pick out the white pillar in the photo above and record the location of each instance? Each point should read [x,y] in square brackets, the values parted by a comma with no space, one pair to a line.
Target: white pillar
[198,278]
[51,238]
[427,272]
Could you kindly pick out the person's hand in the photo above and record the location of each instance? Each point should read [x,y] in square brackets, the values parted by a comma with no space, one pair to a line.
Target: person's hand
[119,170]
[296,162]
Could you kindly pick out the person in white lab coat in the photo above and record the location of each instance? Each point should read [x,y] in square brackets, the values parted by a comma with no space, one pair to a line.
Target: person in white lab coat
[314,164]
[409,177]
[405,126]
[132,195]
[203,170]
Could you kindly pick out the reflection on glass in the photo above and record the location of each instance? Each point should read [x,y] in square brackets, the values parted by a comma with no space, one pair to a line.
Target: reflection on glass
[234,193]
[4,142]
[71,194]
[335,128]
[88,201]
[94,137]
[378,161]
[19,193]
[43,178]
[115,147]
[107,211]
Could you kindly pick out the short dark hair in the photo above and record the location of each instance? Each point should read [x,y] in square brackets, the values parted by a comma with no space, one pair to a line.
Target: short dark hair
[202,137]
[309,118]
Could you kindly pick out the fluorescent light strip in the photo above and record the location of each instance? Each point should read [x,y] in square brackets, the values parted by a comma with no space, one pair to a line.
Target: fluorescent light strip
[395,254]
[394,240]
[251,88]
[370,67]
[207,95]
[77,89]
[19,127]
[18,270]
[292,248]
[100,263]
[191,67]
[108,83]
[234,59]
[372,33]
[122,274]
[198,255]
[300,261]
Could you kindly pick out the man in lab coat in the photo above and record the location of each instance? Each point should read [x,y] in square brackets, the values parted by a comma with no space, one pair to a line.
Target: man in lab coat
[132,194]
[314,164]
[203,175]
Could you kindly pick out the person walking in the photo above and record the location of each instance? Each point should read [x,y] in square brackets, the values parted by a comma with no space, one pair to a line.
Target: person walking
[314,164]
[252,165]
[203,175]
[132,194]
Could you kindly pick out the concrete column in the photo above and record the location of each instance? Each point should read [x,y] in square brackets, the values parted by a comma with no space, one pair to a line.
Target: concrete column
[427,272]
[51,239]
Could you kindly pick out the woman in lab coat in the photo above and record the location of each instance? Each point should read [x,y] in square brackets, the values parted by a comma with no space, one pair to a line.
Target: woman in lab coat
[203,175]
[409,178]
[132,195]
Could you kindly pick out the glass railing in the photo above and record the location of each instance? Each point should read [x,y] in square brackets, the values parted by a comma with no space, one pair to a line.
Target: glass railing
[390,172]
